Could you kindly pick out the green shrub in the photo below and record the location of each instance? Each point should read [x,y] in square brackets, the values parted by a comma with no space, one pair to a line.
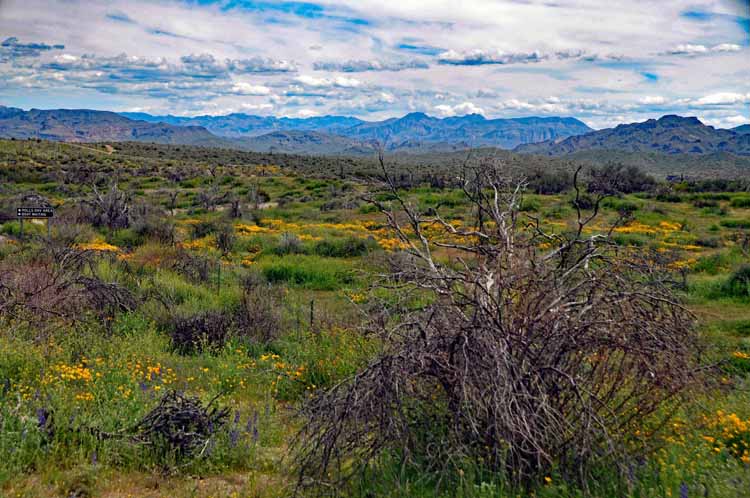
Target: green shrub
[712,242]
[714,264]
[735,223]
[289,243]
[738,284]
[204,228]
[740,202]
[630,239]
[669,197]
[530,205]
[348,247]
[620,205]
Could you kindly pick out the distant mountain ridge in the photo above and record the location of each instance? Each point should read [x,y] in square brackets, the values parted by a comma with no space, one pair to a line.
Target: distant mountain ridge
[244,125]
[84,125]
[473,129]
[668,135]
[414,133]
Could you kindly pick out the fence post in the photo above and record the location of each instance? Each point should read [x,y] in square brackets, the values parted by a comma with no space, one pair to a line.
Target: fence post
[312,313]
[218,275]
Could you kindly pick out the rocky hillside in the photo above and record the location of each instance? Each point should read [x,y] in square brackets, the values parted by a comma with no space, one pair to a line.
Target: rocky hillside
[669,135]
[83,125]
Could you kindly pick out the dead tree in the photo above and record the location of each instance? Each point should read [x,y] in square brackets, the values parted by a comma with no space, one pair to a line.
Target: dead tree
[110,209]
[535,350]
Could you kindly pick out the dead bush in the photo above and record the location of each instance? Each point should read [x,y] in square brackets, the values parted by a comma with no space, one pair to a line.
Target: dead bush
[193,266]
[199,332]
[155,228]
[522,351]
[225,238]
[59,282]
[110,209]
[180,427]
[258,317]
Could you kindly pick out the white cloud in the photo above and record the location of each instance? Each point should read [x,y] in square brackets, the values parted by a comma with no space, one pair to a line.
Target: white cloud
[359,66]
[305,113]
[723,98]
[256,107]
[478,57]
[737,120]
[338,81]
[652,100]
[726,47]
[387,98]
[244,88]
[689,49]
[463,109]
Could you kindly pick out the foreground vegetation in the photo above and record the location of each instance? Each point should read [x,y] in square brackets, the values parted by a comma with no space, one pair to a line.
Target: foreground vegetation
[248,286]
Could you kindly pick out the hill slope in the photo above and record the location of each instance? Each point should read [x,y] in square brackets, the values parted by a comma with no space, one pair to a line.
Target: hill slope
[668,134]
[305,142]
[244,125]
[83,125]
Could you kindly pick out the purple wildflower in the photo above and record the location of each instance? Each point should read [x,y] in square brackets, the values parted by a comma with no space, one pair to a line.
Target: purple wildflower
[41,417]
[683,490]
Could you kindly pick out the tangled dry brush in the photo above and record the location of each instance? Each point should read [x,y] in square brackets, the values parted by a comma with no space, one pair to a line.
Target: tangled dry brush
[518,350]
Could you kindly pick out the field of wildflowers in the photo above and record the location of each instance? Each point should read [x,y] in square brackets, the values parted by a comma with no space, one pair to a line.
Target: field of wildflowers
[72,385]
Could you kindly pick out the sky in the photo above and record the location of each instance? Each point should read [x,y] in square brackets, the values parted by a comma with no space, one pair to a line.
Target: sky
[603,61]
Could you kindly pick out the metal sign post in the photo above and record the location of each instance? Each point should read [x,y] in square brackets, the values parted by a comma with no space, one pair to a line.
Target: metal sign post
[34,212]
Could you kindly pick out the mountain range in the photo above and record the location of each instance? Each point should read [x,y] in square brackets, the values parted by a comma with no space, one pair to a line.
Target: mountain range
[412,130]
[83,125]
[668,135]
[413,133]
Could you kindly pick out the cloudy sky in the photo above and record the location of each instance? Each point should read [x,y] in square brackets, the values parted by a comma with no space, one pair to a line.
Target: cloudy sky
[603,61]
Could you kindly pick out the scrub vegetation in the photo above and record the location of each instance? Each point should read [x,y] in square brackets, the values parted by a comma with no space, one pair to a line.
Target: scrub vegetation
[211,323]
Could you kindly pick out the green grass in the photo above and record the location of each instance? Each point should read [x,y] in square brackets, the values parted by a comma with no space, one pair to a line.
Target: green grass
[310,272]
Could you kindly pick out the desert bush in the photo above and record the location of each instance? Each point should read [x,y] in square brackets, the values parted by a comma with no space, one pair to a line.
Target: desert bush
[110,209]
[583,201]
[226,238]
[204,228]
[59,282]
[194,267]
[668,197]
[512,360]
[740,202]
[199,332]
[701,202]
[742,224]
[180,427]
[258,316]
[738,283]
[712,242]
[529,205]
[622,206]
[347,247]
[289,243]
[550,182]
[154,228]
[618,178]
